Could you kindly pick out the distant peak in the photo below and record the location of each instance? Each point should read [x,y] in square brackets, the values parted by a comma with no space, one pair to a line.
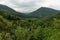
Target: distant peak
[45,8]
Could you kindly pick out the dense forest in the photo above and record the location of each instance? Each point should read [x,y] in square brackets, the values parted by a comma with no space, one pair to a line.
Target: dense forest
[13,27]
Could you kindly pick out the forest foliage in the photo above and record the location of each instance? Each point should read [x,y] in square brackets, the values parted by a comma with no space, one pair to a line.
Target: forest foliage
[13,27]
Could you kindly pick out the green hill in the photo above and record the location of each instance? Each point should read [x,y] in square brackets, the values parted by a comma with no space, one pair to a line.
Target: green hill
[12,27]
[4,7]
[43,11]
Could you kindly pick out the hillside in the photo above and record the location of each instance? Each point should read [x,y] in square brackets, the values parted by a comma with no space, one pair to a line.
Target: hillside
[4,7]
[43,11]
[12,27]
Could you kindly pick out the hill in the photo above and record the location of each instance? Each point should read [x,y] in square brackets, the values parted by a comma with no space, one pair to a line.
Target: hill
[12,27]
[4,7]
[43,11]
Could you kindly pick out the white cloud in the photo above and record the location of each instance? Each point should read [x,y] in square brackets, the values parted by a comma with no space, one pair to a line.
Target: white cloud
[55,4]
[30,5]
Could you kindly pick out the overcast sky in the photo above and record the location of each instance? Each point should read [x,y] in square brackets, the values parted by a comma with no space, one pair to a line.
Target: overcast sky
[31,5]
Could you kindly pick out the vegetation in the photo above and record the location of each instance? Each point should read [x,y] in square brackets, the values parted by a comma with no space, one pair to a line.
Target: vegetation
[13,27]
[43,11]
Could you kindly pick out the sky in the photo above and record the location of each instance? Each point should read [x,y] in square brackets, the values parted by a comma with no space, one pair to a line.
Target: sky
[26,6]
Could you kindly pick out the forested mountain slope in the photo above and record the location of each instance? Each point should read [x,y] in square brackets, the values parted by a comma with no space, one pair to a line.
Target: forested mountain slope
[43,11]
[4,7]
[12,27]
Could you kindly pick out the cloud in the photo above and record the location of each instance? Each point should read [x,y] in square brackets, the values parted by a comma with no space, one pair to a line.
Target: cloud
[55,4]
[26,5]
[30,5]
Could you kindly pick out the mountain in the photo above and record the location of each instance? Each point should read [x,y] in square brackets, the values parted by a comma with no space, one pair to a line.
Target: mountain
[4,7]
[43,11]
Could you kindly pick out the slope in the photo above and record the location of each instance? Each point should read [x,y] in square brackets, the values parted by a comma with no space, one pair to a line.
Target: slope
[43,11]
[4,7]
